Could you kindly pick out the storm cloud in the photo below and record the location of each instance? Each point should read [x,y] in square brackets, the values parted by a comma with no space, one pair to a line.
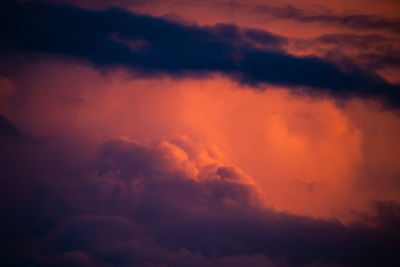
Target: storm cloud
[154,46]
[164,204]
[137,140]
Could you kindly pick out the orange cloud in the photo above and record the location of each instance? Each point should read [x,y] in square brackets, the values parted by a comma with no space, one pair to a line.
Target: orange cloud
[308,156]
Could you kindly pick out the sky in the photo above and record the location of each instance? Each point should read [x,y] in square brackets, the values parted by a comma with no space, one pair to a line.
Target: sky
[199,133]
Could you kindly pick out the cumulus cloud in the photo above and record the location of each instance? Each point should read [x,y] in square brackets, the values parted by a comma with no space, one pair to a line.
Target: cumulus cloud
[164,203]
[92,173]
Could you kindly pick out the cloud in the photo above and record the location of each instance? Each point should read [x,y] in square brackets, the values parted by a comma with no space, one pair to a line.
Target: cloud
[73,192]
[307,186]
[7,127]
[262,11]
[154,46]
[372,52]
[268,134]
[164,204]
[357,21]
[318,14]
[356,40]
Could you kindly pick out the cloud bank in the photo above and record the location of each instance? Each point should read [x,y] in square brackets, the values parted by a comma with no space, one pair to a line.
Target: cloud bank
[144,140]
[154,46]
[164,203]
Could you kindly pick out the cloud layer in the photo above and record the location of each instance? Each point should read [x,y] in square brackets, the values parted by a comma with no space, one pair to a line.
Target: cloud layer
[154,46]
[131,136]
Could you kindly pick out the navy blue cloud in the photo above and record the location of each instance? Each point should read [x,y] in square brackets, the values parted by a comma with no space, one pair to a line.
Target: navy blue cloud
[154,46]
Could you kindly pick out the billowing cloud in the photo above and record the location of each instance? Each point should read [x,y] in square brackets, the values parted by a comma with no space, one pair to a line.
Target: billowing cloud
[274,136]
[187,133]
[165,204]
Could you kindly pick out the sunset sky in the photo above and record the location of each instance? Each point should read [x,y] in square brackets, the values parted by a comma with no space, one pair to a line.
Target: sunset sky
[200,133]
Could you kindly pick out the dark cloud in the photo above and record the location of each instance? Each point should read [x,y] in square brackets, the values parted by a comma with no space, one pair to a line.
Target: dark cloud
[153,46]
[159,204]
[7,128]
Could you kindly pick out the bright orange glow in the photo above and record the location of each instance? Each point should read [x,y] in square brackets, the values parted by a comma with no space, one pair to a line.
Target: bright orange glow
[307,155]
